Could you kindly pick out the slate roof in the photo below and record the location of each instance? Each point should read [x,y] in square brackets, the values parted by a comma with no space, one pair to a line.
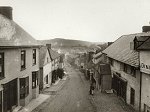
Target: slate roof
[42,55]
[11,34]
[53,54]
[120,50]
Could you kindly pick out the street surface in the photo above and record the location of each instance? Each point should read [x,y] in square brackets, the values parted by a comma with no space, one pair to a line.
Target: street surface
[73,97]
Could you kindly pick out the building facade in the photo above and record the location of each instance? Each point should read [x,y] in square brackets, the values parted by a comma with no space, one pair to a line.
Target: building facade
[19,64]
[45,68]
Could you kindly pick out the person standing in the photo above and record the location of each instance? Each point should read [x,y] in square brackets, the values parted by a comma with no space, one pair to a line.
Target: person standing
[91,89]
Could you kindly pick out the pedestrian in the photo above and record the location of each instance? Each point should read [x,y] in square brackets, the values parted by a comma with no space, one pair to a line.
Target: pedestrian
[91,89]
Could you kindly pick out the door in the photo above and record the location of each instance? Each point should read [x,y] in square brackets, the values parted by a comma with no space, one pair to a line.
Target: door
[10,95]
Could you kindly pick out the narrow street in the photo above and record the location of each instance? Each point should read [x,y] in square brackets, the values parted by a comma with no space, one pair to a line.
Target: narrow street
[73,97]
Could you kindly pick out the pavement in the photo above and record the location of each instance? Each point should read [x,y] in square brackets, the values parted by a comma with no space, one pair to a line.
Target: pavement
[42,97]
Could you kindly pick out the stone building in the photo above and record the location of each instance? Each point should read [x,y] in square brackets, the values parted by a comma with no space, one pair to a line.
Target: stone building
[128,80]
[19,64]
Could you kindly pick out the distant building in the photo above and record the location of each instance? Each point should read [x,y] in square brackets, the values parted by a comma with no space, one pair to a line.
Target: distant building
[55,58]
[45,68]
[19,64]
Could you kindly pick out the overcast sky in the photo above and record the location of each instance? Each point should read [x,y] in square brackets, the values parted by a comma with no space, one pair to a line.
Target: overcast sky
[90,20]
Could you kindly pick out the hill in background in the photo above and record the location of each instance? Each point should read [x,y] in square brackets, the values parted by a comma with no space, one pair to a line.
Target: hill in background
[59,42]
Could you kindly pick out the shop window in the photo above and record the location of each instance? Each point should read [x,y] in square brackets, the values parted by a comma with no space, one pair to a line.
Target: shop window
[1,65]
[24,87]
[23,59]
[132,96]
[34,56]
[34,79]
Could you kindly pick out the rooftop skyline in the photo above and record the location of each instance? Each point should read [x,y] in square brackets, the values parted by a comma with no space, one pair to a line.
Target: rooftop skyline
[95,21]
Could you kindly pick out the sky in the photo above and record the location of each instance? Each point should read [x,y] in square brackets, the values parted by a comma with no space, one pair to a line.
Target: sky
[88,20]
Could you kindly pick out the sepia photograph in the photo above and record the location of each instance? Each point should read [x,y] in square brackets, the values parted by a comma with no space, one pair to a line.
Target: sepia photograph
[74,55]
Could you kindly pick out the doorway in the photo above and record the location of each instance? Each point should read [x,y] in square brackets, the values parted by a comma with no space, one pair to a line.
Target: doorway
[10,95]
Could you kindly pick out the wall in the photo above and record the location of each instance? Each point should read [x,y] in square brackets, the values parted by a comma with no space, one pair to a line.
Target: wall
[145,97]
[13,70]
[133,82]
[145,62]
[47,69]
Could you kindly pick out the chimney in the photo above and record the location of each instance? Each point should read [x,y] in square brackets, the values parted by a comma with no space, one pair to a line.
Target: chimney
[6,11]
[48,46]
[146,28]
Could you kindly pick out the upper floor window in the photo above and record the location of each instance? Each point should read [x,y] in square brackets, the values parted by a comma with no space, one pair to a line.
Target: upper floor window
[24,87]
[34,56]
[125,68]
[130,70]
[23,59]
[111,61]
[133,71]
[1,65]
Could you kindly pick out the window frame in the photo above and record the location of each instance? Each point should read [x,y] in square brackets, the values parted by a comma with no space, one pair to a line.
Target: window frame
[34,57]
[24,87]
[35,79]
[125,67]
[23,58]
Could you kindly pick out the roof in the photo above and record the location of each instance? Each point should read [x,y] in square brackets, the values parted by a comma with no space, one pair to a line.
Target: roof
[11,34]
[98,55]
[120,50]
[53,54]
[42,55]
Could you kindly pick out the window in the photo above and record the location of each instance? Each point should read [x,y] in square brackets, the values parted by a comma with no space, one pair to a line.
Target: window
[24,87]
[125,68]
[133,71]
[132,96]
[34,56]
[111,61]
[1,65]
[47,60]
[34,79]
[46,79]
[23,59]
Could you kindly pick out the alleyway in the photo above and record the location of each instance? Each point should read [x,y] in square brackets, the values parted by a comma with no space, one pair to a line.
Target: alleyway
[74,97]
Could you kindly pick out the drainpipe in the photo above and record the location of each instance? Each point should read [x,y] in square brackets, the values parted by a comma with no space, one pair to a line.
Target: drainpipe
[140,91]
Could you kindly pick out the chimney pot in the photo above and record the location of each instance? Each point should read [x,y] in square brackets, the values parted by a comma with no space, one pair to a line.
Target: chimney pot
[6,11]
[146,28]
